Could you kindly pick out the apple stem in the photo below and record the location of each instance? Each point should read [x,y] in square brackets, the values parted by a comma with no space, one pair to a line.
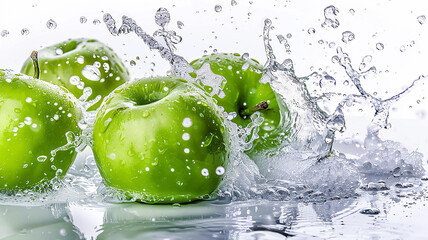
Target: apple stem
[35,57]
[260,106]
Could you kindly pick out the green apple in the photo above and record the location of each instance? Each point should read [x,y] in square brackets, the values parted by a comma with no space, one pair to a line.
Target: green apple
[36,118]
[161,141]
[244,95]
[78,63]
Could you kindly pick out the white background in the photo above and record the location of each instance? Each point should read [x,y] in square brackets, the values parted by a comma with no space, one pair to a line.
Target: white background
[239,28]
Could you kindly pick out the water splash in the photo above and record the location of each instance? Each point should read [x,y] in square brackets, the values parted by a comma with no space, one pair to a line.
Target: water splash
[330,14]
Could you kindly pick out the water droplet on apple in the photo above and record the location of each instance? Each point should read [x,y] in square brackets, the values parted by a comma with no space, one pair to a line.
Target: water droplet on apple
[81,59]
[27,120]
[186,150]
[219,170]
[185,136]
[205,172]
[28,99]
[187,122]
[59,51]
[74,80]
[91,73]
[42,158]
[147,169]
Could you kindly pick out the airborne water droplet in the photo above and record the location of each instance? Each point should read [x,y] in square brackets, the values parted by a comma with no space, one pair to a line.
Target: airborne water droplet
[80,60]
[311,30]
[162,17]
[421,19]
[218,8]
[132,63]
[379,46]
[180,24]
[25,31]
[233,3]
[347,36]
[83,19]
[51,24]
[4,33]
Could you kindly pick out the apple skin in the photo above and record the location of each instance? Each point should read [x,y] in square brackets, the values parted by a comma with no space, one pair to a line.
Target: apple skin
[160,141]
[243,91]
[34,119]
[59,62]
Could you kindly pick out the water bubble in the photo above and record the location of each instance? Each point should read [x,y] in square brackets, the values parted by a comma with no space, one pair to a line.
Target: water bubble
[51,24]
[379,46]
[25,31]
[187,122]
[42,158]
[83,19]
[218,8]
[219,170]
[205,172]
[421,19]
[186,136]
[91,73]
[162,17]
[233,3]
[80,60]
[4,33]
[59,51]
[180,24]
[96,22]
[132,63]
[347,36]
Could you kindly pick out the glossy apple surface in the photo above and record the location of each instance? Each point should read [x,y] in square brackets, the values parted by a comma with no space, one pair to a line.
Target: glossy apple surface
[79,63]
[244,95]
[161,141]
[35,117]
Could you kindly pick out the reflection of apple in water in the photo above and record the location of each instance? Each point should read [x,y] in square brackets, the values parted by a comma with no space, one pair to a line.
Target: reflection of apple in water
[244,95]
[160,141]
[79,63]
[35,117]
